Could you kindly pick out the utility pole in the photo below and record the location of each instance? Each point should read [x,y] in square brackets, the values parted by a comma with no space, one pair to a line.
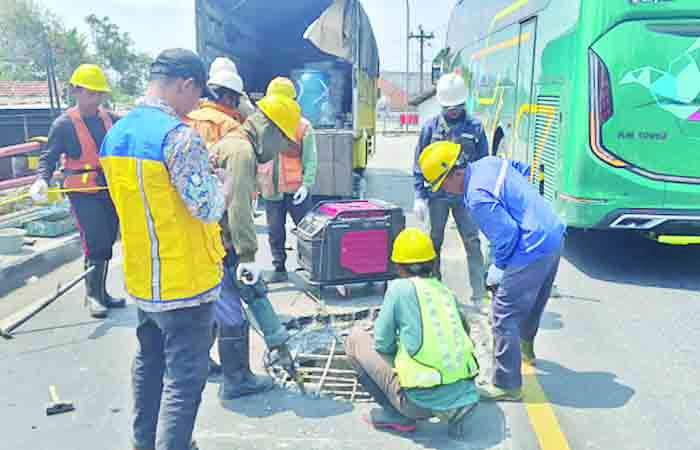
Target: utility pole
[408,48]
[423,38]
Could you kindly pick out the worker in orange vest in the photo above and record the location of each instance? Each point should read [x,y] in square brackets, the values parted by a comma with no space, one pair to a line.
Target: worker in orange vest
[75,137]
[213,120]
[285,184]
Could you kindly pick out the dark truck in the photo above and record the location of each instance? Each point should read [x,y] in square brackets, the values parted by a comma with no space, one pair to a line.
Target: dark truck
[328,49]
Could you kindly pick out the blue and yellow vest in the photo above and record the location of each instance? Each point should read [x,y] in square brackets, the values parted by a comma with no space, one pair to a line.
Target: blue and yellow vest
[169,255]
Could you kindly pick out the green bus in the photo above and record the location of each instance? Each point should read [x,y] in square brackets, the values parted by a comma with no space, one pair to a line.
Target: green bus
[601,97]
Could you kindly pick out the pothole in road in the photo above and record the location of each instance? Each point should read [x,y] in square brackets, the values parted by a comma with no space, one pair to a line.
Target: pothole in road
[317,346]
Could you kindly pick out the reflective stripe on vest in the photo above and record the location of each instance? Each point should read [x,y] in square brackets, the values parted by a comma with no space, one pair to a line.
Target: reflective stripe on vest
[447,353]
[291,168]
[82,173]
[159,265]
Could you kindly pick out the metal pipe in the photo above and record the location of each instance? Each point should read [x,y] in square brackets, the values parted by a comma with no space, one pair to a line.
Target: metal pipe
[19,149]
[17,182]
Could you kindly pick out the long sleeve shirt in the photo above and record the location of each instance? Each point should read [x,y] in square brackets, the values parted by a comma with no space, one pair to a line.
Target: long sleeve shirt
[400,321]
[187,161]
[63,140]
[236,154]
[309,163]
[520,224]
[437,129]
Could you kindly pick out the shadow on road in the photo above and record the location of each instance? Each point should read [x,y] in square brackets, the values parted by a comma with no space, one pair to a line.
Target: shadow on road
[625,257]
[486,429]
[278,401]
[582,390]
[551,321]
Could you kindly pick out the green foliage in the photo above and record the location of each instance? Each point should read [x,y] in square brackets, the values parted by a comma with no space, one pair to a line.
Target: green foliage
[27,31]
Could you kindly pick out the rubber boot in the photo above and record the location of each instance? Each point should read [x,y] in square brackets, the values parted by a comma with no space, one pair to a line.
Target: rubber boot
[109,301]
[94,291]
[387,416]
[234,352]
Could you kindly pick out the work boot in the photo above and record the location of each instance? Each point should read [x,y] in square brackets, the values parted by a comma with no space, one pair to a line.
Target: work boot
[493,393]
[381,418]
[456,420]
[94,291]
[527,352]
[234,352]
[279,275]
[109,301]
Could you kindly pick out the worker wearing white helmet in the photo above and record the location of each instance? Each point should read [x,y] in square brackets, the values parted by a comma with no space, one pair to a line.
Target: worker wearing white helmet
[455,125]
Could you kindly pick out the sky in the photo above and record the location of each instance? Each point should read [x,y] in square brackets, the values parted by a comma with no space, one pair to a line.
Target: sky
[158,24]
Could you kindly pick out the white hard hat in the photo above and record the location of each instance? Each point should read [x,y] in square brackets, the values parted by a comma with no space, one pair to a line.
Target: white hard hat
[224,73]
[452,90]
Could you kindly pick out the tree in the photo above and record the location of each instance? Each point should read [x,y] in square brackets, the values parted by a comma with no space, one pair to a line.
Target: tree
[115,50]
[26,32]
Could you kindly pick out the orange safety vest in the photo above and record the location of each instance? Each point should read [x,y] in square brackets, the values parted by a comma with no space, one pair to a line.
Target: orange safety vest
[214,121]
[82,173]
[291,170]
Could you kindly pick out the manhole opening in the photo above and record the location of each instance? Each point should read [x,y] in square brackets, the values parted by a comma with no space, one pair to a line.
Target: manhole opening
[317,346]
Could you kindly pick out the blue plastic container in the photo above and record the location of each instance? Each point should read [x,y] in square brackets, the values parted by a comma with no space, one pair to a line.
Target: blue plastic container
[313,96]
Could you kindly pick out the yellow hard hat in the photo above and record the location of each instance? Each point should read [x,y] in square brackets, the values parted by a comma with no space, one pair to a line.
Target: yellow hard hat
[412,246]
[282,86]
[283,112]
[90,76]
[437,160]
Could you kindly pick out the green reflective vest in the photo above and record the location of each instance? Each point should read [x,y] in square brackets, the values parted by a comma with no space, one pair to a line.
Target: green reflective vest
[446,355]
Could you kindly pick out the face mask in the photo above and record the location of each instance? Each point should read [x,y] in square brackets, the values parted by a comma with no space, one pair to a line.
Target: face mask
[454,113]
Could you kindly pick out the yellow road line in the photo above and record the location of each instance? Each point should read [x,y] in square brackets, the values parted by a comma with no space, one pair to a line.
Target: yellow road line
[541,414]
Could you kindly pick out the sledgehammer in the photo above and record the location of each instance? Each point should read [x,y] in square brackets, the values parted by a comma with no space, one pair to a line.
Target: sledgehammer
[56,406]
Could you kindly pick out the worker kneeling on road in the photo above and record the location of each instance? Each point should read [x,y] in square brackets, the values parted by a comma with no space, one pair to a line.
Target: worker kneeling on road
[76,136]
[455,125]
[421,363]
[286,182]
[261,137]
[527,237]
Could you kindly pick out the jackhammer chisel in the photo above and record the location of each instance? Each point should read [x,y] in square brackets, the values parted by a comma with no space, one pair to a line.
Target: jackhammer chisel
[275,334]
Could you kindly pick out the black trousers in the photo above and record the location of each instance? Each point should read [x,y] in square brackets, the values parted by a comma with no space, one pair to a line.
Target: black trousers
[98,223]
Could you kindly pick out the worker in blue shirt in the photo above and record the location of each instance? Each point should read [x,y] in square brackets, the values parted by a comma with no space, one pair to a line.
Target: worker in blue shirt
[526,236]
[420,363]
[454,125]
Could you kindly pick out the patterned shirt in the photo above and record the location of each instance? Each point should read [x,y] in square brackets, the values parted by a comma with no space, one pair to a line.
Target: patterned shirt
[187,160]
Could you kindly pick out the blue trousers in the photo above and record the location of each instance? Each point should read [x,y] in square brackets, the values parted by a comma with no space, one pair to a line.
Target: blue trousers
[440,209]
[517,311]
[169,374]
[229,309]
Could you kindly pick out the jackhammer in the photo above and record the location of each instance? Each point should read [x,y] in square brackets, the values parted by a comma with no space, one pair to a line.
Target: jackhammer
[274,333]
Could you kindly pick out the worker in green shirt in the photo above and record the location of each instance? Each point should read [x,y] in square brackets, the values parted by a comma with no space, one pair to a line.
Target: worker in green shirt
[421,362]
[285,184]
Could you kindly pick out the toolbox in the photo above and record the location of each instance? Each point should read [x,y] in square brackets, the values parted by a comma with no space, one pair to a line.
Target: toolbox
[344,242]
[56,224]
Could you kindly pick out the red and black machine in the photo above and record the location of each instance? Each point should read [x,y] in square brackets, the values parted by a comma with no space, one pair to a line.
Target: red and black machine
[349,242]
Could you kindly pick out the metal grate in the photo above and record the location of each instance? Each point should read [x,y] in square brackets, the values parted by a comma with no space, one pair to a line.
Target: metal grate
[546,142]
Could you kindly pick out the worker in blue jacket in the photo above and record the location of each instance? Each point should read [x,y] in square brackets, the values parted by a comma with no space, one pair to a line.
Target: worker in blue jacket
[455,125]
[526,236]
